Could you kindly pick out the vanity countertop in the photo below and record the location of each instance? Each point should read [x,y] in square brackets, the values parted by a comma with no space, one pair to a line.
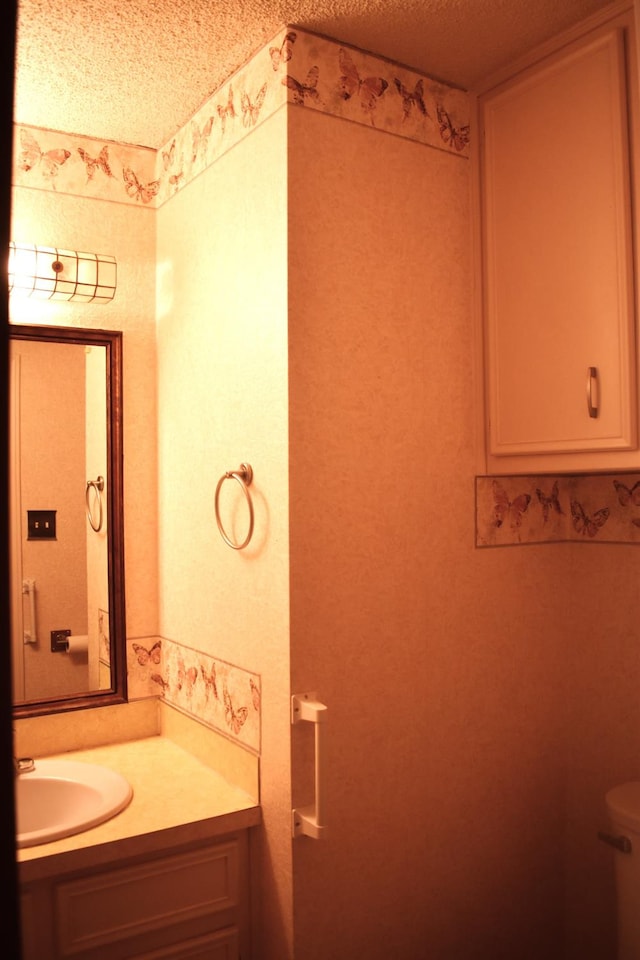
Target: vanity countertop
[175,795]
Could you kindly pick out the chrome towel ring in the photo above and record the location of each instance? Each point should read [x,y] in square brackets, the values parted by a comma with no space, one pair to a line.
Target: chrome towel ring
[97,486]
[244,476]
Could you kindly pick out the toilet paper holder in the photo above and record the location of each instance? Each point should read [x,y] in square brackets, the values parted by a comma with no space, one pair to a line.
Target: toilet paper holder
[64,641]
[60,641]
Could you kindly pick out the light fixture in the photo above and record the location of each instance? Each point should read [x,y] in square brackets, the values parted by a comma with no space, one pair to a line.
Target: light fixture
[51,274]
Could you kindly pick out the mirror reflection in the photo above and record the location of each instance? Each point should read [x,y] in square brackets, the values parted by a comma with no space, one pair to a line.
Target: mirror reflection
[66,517]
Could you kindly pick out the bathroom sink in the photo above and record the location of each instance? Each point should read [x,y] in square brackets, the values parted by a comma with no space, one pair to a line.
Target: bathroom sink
[61,797]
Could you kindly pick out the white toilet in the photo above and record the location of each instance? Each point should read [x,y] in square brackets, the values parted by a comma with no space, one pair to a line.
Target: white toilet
[623,806]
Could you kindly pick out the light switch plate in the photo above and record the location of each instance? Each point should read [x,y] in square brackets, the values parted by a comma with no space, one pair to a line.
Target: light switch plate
[41,524]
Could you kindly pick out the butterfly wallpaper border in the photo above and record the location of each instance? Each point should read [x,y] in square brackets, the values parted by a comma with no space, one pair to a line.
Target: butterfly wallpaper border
[586,508]
[218,694]
[297,68]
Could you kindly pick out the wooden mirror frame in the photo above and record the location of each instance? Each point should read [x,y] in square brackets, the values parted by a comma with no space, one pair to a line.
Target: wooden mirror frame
[117,693]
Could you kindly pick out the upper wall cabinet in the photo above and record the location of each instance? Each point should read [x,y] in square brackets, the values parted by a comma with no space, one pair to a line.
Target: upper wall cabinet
[557,174]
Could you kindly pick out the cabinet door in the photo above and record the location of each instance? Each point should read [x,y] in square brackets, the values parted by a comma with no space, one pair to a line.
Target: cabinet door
[36,916]
[558,258]
[136,909]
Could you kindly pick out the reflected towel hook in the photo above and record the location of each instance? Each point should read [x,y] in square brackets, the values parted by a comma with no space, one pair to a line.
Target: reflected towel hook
[244,476]
[97,486]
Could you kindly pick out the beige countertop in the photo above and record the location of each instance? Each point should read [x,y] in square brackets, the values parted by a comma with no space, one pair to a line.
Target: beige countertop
[176,799]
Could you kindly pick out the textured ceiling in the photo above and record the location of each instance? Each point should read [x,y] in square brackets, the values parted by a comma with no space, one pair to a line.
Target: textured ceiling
[134,71]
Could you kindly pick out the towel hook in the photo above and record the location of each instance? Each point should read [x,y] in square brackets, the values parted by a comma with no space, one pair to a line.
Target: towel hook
[244,476]
[97,486]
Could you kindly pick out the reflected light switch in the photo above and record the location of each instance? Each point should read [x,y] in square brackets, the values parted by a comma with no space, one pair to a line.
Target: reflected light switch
[41,524]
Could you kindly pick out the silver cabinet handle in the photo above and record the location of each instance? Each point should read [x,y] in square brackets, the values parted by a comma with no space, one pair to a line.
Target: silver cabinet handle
[593,392]
[621,843]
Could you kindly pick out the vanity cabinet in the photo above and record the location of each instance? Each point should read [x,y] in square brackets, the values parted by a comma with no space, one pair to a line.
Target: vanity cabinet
[558,261]
[187,903]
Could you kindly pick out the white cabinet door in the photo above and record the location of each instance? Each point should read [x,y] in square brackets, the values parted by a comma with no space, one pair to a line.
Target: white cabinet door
[558,256]
[187,903]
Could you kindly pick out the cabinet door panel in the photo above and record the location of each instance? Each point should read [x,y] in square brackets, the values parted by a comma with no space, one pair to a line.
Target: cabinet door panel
[558,254]
[216,946]
[115,907]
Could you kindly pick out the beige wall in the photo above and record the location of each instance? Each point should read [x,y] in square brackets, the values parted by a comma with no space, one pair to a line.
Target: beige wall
[52,466]
[53,219]
[603,731]
[441,664]
[222,386]
[96,540]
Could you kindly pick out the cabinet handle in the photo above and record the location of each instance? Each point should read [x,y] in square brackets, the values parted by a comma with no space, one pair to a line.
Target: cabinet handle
[593,392]
[620,843]
[309,821]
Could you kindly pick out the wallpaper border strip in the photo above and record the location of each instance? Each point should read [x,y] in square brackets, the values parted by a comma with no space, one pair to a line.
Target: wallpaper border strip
[297,68]
[585,508]
[217,693]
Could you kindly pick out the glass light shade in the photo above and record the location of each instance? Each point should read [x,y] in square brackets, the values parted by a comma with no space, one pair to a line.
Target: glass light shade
[48,273]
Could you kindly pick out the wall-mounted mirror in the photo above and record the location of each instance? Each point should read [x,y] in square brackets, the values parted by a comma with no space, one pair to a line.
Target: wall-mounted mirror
[66,519]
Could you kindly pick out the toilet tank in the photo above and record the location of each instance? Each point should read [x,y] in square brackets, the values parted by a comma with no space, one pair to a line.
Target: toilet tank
[623,807]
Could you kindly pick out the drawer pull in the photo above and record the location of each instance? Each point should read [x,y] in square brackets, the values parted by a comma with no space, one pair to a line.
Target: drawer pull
[593,392]
[621,843]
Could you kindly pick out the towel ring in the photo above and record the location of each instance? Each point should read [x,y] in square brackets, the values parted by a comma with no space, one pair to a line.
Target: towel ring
[97,486]
[244,476]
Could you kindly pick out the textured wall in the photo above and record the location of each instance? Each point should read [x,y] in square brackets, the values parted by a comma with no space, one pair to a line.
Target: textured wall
[222,386]
[96,540]
[440,664]
[602,669]
[52,466]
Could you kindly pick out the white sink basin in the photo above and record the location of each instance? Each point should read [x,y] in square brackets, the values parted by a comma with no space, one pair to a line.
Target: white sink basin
[62,797]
